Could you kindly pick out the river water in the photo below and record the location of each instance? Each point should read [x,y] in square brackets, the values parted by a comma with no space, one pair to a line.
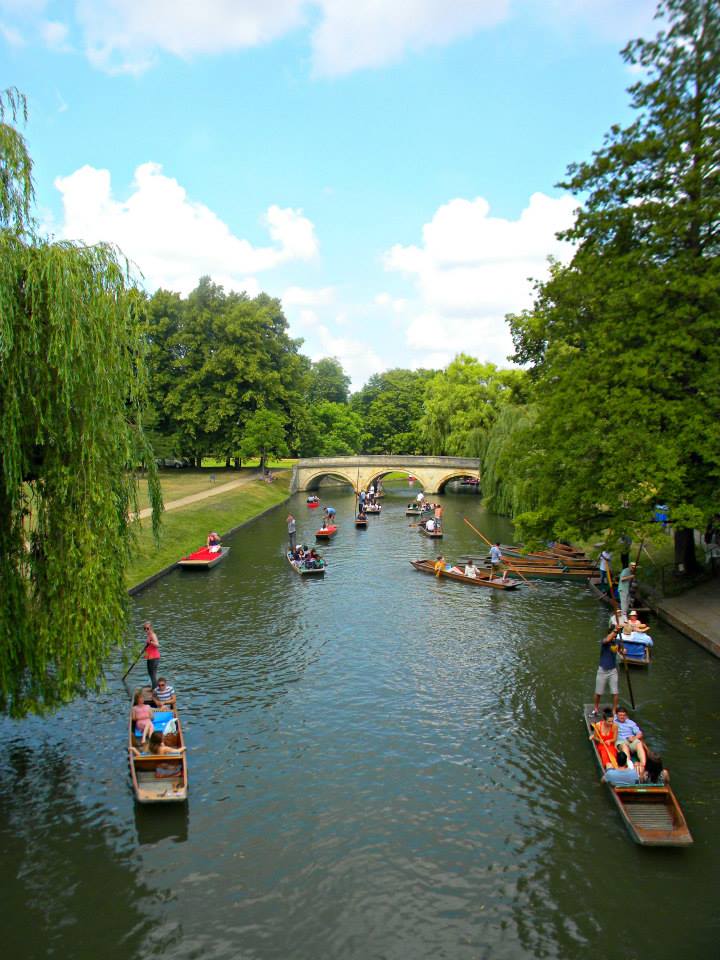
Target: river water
[382,766]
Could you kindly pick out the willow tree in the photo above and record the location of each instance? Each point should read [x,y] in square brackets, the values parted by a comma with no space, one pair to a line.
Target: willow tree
[70,419]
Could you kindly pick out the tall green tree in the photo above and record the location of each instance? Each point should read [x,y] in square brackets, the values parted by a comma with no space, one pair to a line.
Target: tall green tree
[73,388]
[219,357]
[328,381]
[462,402]
[391,405]
[264,436]
[623,342]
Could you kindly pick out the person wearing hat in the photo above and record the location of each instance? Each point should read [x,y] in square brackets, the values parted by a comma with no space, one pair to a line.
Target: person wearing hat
[625,584]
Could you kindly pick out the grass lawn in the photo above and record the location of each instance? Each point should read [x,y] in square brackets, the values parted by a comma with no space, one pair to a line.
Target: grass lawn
[186,529]
[184,483]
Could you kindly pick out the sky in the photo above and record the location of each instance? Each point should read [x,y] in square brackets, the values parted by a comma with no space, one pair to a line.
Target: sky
[387,168]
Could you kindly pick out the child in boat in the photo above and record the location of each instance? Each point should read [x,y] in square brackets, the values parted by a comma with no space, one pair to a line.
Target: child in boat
[142,714]
[213,542]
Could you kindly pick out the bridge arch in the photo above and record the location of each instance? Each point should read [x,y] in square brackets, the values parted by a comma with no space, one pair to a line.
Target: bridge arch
[381,474]
[442,483]
[332,473]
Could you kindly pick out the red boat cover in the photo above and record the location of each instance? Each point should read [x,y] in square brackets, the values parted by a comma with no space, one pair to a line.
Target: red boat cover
[331,528]
[202,554]
[313,505]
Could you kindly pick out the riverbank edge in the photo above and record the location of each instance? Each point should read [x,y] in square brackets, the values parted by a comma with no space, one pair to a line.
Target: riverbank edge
[154,577]
[695,614]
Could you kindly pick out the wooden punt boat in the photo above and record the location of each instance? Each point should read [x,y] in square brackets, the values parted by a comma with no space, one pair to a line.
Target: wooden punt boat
[593,584]
[535,571]
[413,512]
[361,523]
[302,569]
[159,779]
[324,533]
[432,534]
[637,650]
[483,579]
[203,559]
[371,508]
[650,812]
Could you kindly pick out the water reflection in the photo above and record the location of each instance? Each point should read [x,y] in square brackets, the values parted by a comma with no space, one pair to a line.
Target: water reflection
[381,765]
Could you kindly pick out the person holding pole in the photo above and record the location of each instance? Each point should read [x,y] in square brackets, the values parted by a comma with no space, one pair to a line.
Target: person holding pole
[151,653]
[292,529]
[607,674]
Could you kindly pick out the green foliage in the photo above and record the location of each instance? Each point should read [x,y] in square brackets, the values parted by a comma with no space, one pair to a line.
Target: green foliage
[391,405]
[506,487]
[328,381]
[215,359]
[16,186]
[462,403]
[264,436]
[73,387]
[340,430]
[623,342]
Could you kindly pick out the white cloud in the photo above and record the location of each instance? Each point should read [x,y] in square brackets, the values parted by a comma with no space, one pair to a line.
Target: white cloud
[123,35]
[55,35]
[303,297]
[353,35]
[173,239]
[11,36]
[615,20]
[472,269]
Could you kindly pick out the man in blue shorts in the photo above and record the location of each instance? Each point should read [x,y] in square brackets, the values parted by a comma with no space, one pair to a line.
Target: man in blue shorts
[607,672]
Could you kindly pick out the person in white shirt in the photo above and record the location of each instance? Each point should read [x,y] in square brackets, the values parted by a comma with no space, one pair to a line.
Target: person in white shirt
[430,525]
[470,570]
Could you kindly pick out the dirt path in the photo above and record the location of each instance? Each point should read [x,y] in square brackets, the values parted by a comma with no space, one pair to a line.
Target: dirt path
[202,495]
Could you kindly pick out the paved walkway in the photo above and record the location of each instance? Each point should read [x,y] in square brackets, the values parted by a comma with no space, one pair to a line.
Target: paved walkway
[202,495]
[696,614]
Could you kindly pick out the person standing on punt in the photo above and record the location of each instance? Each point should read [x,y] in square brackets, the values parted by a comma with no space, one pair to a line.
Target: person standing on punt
[151,653]
[607,673]
[625,585]
[291,530]
[496,559]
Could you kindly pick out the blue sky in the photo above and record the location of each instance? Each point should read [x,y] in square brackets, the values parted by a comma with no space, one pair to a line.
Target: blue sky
[385,167]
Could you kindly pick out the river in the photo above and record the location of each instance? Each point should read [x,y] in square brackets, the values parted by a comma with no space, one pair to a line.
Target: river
[383,766]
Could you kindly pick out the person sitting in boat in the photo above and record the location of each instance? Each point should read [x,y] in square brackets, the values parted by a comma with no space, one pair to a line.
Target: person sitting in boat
[617,619]
[471,570]
[164,694]
[158,748]
[624,776]
[439,565]
[213,542]
[629,739]
[362,515]
[313,499]
[605,733]
[655,773]
[630,636]
[637,625]
[142,714]
[430,525]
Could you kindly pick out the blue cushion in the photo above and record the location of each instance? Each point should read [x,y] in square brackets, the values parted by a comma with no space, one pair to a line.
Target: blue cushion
[635,649]
[161,718]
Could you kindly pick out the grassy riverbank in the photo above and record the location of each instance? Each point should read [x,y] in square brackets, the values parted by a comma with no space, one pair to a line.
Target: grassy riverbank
[186,529]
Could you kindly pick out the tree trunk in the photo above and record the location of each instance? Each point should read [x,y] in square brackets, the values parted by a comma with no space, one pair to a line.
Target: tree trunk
[227,461]
[237,463]
[262,463]
[685,560]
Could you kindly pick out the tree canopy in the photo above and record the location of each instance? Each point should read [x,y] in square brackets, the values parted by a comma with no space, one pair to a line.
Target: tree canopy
[391,405]
[73,387]
[328,381]
[622,343]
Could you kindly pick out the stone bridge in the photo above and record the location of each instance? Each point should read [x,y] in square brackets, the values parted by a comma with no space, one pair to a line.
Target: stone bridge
[431,473]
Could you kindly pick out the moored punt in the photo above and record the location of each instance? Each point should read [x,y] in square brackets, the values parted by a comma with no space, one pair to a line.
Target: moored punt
[534,571]
[324,533]
[593,584]
[159,779]
[204,559]
[483,579]
[651,812]
[301,568]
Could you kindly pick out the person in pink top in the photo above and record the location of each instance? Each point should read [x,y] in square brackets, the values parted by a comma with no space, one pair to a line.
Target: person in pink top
[151,653]
[142,717]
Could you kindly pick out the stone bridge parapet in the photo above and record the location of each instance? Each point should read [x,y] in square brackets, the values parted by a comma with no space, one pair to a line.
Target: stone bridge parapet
[431,473]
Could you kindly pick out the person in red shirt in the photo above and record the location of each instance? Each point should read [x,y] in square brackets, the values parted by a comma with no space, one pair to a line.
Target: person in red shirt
[151,653]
